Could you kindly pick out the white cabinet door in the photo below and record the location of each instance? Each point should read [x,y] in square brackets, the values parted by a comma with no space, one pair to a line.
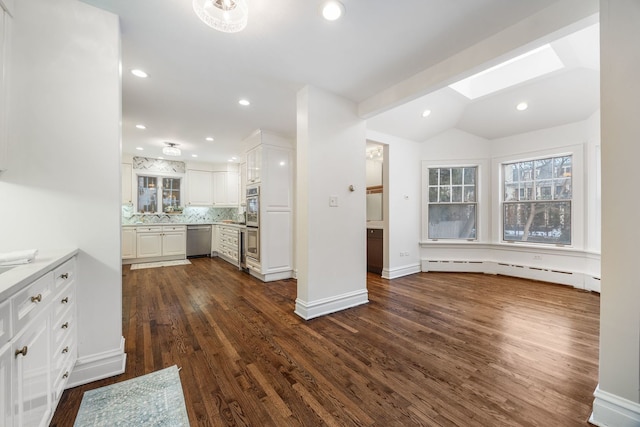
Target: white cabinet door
[215,239]
[225,189]
[243,184]
[127,183]
[32,374]
[199,188]
[254,164]
[128,242]
[5,385]
[174,243]
[149,244]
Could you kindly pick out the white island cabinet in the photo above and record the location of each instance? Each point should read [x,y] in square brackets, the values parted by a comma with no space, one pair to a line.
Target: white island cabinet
[39,338]
[148,243]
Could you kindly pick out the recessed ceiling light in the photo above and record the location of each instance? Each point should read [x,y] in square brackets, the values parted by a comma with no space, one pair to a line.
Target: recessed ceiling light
[332,10]
[194,155]
[522,106]
[244,102]
[209,138]
[141,126]
[139,73]
[426,113]
[139,148]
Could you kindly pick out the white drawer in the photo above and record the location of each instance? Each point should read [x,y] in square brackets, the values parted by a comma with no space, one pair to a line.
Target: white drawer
[65,274]
[31,301]
[63,327]
[174,228]
[152,229]
[5,322]
[63,300]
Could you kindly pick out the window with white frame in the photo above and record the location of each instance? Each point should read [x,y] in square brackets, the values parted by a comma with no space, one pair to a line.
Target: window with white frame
[452,202]
[537,198]
[158,194]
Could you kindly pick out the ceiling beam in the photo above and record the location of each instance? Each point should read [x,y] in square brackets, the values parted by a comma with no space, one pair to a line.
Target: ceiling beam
[560,19]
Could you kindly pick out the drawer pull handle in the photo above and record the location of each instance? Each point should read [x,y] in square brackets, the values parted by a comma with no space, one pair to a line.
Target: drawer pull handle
[23,351]
[66,375]
[64,300]
[65,350]
[37,298]
[64,275]
[65,325]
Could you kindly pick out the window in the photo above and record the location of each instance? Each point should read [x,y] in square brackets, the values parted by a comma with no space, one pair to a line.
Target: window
[452,203]
[537,200]
[150,188]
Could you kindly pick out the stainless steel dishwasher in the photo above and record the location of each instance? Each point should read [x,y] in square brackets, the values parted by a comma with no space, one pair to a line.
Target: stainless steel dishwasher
[198,240]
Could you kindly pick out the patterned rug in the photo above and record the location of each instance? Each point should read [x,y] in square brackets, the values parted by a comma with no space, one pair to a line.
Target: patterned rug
[154,399]
[160,264]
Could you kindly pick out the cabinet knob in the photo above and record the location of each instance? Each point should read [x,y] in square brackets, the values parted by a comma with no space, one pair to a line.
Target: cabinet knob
[66,375]
[65,350]
[22,351]
[64,300]
[37,298]
[64,275]
[65,325]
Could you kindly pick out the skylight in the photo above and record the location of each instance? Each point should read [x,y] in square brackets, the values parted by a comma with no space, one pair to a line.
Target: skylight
[527,66]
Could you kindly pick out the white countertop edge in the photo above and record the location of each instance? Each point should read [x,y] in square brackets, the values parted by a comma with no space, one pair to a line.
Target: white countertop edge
[21,275]
[169,224]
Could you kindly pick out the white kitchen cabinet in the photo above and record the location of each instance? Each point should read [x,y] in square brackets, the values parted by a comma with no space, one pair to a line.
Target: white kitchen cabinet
[199,188]
[5,44]
[226,188]
[254,163]
[6,414]
[148,242]
[161,242]
[129,242]
[243,184]
[228,243]
[43,319]
[215,240]
[127,183]
[174,240]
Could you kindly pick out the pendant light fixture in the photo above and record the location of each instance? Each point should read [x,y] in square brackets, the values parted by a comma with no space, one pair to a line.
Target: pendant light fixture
[171,149]
[228,16]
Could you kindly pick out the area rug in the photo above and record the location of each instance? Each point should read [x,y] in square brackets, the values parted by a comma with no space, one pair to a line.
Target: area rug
[160,264]
[154,399]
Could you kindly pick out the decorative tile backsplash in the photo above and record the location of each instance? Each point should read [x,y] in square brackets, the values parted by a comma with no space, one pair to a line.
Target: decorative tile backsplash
[158,165]
[190,215]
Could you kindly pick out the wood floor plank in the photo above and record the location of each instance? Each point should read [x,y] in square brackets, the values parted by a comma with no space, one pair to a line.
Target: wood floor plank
[430,349]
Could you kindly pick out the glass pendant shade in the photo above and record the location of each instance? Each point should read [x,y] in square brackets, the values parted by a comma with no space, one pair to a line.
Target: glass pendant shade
[228,16]
[171,150]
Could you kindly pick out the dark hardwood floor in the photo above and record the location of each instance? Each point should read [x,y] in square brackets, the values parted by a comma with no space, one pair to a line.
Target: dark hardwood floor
[431,349]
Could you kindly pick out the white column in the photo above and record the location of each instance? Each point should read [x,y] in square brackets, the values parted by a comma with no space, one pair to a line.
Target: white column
[617,400]
[331,240]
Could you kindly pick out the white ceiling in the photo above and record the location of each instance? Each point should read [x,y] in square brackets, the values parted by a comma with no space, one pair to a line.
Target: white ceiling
[197,74]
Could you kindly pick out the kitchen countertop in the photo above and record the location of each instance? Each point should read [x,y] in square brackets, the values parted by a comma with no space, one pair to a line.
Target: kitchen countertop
[378,225]
[158,224]
[21,275]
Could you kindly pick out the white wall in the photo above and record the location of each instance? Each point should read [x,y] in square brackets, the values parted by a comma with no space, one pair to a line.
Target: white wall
[617,401]
[330,241]
[401,205]
[62,186]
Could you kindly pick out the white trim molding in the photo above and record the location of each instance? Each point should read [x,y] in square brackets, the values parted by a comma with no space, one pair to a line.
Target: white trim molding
[405,270]
[610,410]
[98,366]
[310,310]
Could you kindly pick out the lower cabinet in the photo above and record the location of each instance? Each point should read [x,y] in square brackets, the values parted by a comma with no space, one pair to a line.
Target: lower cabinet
[129,243]
[228,244]
[161,241]
[41,350]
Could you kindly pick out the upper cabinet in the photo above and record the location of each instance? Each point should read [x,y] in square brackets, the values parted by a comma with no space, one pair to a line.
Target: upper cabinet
[199,188]
[254,163]
[6,8]
[226,188]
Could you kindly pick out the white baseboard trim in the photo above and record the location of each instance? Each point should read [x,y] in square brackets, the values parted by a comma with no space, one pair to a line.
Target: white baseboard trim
[610,410]
[310,310]
[98,366]
[394,273]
